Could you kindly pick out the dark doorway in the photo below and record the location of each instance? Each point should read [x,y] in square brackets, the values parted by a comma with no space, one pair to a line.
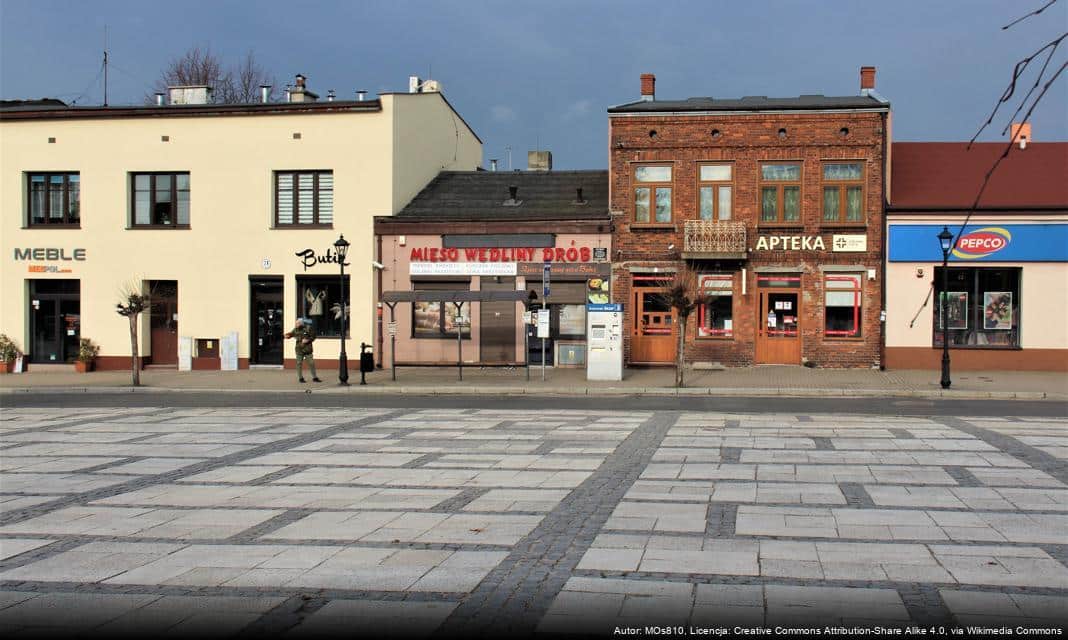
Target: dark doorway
[497,322]
[163,321]
[265,303]
[55,320]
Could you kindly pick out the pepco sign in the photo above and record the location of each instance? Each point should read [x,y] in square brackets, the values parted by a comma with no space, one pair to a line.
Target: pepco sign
[982,243]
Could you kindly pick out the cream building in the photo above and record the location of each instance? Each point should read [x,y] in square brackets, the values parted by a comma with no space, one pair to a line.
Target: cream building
[227,214]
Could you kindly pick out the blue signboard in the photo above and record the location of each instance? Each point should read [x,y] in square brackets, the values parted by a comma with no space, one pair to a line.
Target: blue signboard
[604,307]
[981,242]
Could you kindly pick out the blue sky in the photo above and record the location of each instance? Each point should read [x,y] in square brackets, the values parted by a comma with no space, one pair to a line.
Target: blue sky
[528,74]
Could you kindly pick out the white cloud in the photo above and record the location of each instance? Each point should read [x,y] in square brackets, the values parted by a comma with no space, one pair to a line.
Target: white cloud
[578,109]
[502,113]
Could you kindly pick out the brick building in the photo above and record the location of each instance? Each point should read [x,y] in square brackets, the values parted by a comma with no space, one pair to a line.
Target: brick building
[775,205]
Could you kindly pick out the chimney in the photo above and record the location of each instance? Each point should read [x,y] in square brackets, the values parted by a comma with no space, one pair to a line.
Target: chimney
[361,94]
[330,95]
[191,94]
[159,99]
[1021,132]
[300,93]
[493,164]
[648,87]
[867,80]
[413,84]
[289,93]
[265,93]
[539,161]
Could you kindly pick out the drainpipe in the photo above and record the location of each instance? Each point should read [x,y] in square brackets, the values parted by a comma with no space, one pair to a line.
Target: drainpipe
[886,234]
[378,305]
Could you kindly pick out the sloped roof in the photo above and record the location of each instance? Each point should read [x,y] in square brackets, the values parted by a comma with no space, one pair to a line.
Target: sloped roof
[948,175]
[752,103]
[485,195]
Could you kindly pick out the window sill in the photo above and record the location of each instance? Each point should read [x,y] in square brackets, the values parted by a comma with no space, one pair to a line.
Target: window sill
[981,347]
[780,226]
[46,225]
[441,337]
[156,227]
[844,225]
[717,338]
[290,227]
[653,226]
[843,339]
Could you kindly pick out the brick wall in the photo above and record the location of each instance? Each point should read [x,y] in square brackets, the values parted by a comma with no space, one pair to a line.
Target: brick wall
[746,140]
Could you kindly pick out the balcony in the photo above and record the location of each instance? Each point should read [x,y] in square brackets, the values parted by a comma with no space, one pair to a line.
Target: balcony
[708,240]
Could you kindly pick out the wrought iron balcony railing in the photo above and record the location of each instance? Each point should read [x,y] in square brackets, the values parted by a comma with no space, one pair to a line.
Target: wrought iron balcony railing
[708,239]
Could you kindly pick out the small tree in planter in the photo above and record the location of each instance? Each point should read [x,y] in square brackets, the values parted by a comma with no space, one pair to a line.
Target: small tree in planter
[87,353]
[132,305]
[683,295]
[8,352]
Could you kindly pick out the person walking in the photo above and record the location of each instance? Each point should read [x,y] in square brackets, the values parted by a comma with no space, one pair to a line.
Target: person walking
[305,337]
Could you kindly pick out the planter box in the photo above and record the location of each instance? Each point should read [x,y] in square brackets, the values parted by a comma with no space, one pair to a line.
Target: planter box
[83,367]
[7,367]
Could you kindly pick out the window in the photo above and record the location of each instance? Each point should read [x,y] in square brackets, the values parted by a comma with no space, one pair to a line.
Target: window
[304,198]
[438,319]
[319,303]
[715,317]
[652,195]
[843,192]
[983,308]
[843,296]
[780,192]
[54,198]
[571,319]
[714,191]
[161,200]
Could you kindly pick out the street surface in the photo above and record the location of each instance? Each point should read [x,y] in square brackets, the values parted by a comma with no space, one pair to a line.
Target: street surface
[525,517]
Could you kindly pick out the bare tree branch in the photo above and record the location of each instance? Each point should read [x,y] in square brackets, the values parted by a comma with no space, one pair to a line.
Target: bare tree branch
[1033,13]
[237,84]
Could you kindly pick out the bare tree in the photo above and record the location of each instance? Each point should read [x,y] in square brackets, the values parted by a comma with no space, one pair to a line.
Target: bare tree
[132,304]
[683,295]
[235,84]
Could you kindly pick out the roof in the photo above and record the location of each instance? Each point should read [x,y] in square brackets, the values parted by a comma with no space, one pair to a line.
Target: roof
[947,175]
[482,195]
[753,103]
[49,109]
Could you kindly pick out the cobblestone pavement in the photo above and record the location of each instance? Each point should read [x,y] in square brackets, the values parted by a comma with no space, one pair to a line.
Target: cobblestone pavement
[474,522]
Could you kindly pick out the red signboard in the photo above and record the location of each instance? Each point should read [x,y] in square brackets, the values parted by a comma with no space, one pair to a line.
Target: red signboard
[499,254]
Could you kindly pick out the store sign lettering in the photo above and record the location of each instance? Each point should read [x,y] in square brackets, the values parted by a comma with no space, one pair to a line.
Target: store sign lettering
[982,242]
[790,243]
[497,254]
[309,258]
[49,253]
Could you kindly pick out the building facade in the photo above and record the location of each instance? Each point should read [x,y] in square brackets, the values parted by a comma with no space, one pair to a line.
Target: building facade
[484,232]
[225,214]
[772,208]
[1007,294]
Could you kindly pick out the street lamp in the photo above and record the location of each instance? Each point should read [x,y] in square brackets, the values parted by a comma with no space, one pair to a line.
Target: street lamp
[342,248]
[945,238]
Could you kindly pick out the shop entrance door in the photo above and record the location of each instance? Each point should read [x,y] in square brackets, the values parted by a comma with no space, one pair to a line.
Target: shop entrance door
[267,330]
[778,327]
[55,321]
[653,336]
[497,323]
[163,321]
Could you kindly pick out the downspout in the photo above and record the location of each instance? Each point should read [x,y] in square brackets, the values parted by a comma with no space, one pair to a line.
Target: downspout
[886,237]
[378,303]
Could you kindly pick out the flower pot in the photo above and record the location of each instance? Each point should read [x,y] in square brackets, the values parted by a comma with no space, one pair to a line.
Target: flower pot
[7,366]
[83,367]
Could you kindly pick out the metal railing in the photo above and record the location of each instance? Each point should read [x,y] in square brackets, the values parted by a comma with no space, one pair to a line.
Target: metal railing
[706,236]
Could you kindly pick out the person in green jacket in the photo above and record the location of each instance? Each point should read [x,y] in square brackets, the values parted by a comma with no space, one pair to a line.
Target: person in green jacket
[305,337]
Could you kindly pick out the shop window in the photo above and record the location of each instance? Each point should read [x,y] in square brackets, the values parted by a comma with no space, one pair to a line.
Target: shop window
[304,198]
[571,319]
[982,307]
[54,199]
[715,318]
[55,320]
[780,192]
[843,192]
[161,200]
[319,303]
[715,191]
[438,319]
[652,195]
[843,309]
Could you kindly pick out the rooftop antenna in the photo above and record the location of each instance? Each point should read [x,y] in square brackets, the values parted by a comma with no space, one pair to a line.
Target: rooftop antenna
[105,65]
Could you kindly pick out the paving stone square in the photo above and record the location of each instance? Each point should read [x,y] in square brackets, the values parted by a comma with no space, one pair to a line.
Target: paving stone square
[475,522]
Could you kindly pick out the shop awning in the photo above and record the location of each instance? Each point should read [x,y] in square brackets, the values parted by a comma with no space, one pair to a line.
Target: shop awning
[453,296]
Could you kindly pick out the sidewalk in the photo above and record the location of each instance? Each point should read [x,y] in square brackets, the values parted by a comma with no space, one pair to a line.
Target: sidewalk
[748,381]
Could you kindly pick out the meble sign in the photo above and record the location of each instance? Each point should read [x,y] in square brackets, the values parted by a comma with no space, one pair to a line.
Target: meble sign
[982,242]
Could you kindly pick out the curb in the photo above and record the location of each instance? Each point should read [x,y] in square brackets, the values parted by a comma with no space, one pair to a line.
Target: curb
[938,394]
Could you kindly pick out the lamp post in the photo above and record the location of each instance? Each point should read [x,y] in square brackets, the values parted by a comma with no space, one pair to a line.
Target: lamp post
[945,238]
[342,248]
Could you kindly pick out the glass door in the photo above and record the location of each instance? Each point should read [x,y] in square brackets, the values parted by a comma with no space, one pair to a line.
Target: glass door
[779,327]
[653,335]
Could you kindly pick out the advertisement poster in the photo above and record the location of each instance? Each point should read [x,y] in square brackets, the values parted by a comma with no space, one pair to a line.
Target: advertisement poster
[597,291]
[956,309]
[997,310]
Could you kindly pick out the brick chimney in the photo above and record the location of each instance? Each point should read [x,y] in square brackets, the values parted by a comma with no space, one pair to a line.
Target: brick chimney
[1021,132]
[648,87]
[867,79]
[301,93]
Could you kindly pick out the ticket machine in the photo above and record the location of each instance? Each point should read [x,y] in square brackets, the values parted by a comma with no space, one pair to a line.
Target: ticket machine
[604,335]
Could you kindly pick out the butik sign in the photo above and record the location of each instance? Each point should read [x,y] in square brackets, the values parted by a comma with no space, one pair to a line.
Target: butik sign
[310,259]
[502,254]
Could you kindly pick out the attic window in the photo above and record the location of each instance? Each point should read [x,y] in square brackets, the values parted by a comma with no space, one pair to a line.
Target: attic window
[844,132]
[716,134]
[782,133]
[652,133]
